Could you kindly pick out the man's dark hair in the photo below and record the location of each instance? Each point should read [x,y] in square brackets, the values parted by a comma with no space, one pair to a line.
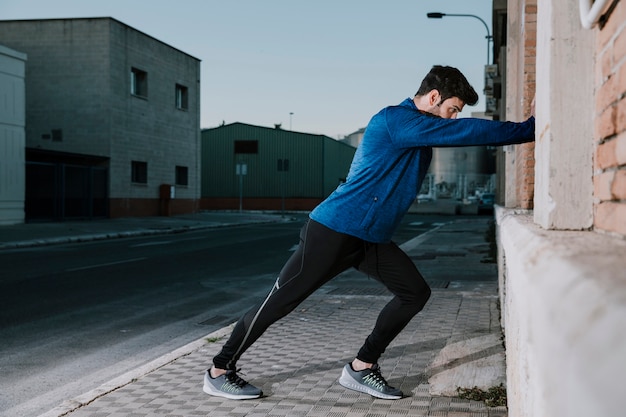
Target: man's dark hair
[450,82]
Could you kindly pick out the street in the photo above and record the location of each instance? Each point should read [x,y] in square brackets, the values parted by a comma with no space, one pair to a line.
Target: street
[75,316]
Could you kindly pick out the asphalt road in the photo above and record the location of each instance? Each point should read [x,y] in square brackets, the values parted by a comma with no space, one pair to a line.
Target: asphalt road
[75,316]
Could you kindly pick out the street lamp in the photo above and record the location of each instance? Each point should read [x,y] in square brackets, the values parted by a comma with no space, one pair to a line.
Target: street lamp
[438,15]
[290,114]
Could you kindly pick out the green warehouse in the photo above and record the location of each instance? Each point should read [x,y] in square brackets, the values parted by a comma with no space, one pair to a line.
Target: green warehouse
[250,167]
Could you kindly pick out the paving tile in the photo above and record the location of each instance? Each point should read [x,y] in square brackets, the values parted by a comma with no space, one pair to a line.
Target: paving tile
[298,360]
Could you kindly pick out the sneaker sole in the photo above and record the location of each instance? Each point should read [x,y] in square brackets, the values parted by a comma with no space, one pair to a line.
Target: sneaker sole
[348,382]
[208,389]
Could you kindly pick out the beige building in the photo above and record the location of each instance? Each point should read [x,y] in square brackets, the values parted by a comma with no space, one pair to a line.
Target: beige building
[562,227]
[112,114]
[12,120]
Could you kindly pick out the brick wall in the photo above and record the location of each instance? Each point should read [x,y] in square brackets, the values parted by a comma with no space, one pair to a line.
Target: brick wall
[610,124]
[525,154]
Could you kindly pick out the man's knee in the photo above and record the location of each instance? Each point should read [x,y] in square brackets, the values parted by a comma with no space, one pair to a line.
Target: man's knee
[419,297]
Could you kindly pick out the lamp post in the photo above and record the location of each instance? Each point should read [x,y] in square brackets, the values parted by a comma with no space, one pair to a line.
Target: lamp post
[438,15]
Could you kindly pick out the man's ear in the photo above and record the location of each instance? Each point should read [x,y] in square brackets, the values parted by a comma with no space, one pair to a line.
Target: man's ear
[433,97]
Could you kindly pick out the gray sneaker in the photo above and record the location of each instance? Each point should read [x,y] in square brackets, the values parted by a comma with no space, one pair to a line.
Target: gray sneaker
[230,385]
[369,381]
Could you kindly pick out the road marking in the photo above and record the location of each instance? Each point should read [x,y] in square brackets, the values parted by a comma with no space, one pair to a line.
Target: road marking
[419,239]
[163,242]
[107,264]
[416,223]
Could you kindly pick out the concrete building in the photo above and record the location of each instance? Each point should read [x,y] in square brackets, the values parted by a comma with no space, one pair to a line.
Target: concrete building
[112,114]
[12,131]
[562,227]
[354,139]
[260,168]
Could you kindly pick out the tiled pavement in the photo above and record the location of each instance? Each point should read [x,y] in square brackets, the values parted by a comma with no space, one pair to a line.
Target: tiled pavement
[298,360]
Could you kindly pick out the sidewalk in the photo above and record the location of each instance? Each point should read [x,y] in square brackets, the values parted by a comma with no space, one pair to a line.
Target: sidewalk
[455,341]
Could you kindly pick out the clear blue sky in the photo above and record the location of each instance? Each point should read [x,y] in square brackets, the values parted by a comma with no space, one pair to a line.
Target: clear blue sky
[332,63]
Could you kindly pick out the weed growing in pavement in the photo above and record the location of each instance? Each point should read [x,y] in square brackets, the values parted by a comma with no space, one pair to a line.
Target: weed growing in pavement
[493,397]
[213,339]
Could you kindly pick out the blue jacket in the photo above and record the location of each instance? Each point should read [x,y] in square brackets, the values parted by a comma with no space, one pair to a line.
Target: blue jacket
[391,162]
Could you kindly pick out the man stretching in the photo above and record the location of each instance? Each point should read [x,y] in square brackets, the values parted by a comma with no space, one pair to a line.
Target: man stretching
[353,227]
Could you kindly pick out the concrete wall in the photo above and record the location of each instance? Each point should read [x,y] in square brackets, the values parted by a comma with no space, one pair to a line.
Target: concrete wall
[565,59]
[151,129]
[561,265]
[565,319]
[12,133]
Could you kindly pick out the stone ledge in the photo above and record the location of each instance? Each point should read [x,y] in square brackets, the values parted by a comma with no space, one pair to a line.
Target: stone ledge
[564,313]
[473,362]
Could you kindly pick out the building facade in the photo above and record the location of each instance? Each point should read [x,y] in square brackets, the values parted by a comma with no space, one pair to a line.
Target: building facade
[259,168]
[562,230]
[112,114]
[12,132]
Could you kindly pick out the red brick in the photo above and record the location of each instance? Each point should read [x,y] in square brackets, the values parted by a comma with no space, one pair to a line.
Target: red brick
[610,217]
[606,65]
[618,186]
[619,46]
[620,149]
[604,124]
[616,20]
[529,29]
[605,155]
[606,95]
[602,186]
[530,52]
[530,9]
[525,161]
[620,75]
[620,119]
[603,38]
[529,43]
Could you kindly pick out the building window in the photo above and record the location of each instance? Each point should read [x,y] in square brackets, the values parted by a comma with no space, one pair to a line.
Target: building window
[182,102]
[246,146]
[138,82]
[57,135]
[182,175]
[139,172]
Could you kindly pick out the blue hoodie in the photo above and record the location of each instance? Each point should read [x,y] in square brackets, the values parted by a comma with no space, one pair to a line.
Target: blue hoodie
[392,160]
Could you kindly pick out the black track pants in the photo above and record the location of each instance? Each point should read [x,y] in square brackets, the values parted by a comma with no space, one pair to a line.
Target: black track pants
[321,255]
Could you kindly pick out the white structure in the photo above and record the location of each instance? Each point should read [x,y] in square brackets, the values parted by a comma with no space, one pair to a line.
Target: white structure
[12,131]
[562,264]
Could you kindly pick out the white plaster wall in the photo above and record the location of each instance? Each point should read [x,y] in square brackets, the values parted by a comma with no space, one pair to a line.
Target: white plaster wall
[12,134]
[515,96]
[565,309]
[564,118]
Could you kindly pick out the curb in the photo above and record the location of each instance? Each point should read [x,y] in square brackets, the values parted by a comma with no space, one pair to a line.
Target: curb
[131,376]
[120,235]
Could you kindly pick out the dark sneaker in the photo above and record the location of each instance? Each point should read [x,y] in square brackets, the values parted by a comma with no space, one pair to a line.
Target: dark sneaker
[230,385]
[369,381]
